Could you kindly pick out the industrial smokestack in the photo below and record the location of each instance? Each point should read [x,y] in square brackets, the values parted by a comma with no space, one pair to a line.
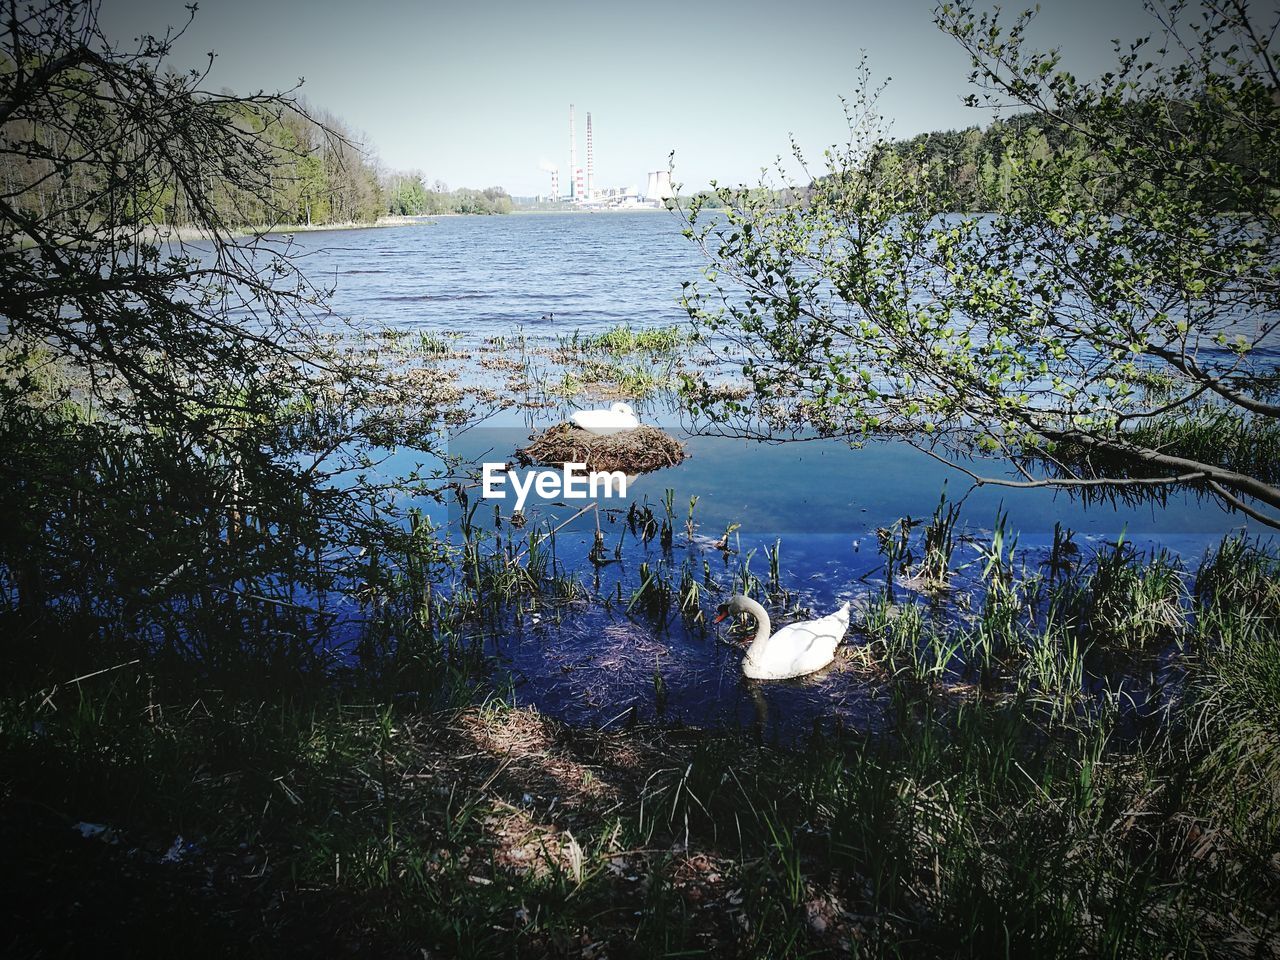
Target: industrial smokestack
[573,155]
[591,165]
[546,166]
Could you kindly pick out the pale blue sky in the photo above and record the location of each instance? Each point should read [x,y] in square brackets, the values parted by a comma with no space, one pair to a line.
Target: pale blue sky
[477,93]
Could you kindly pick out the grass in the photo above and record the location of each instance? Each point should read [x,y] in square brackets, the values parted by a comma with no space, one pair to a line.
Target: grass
[1207,433]
[620,363]
[939,543]
[1014,796]
[1122,601]
[635,380]
[492,830]
[622,340]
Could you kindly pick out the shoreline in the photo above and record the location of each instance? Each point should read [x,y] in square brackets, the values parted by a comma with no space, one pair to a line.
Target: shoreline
[166,233]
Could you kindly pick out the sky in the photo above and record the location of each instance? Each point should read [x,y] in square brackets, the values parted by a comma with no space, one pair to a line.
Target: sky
[476,93]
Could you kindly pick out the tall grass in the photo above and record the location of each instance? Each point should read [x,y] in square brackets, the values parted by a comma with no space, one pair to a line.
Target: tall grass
[390,802]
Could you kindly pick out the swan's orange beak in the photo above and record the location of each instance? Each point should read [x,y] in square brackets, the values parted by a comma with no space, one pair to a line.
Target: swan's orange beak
[722,615]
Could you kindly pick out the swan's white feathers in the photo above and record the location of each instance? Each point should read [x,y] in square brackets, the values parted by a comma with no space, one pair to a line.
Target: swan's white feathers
[619,416]
[799,648]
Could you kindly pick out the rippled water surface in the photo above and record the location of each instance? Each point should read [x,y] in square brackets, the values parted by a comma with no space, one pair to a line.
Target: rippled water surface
[483,276]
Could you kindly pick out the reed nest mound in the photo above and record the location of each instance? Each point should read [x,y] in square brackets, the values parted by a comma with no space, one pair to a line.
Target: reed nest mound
[641,450]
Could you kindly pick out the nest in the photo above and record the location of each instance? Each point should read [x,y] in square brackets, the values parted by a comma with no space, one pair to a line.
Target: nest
[641,450]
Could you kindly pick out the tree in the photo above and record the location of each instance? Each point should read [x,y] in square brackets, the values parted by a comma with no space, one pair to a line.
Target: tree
[1112,324]
[172,421]
[92,140]
[406,194]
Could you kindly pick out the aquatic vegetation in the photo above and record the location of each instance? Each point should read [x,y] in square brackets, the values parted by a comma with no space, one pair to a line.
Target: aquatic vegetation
[430,343]
[689,526]
[894,545]
[1064,551]
[689,593]
[1130,604]
[743,580]
[633,380]
[939,545]
[1216,435]
[774,553]
[895,633]
[1240,574]
[655,596]
[1055,666]
[723,543]
[667,534]
[642,522]
[623,340]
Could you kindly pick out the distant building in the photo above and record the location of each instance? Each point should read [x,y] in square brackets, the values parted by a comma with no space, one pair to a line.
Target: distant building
[583,188]
[659,186]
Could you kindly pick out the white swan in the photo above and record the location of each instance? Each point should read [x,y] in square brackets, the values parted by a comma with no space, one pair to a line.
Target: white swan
[793,651]
[620,416]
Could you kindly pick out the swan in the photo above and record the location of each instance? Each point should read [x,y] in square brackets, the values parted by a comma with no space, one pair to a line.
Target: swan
[620,416]
[793,651]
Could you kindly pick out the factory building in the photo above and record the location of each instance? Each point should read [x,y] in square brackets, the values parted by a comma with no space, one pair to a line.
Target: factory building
[582,184]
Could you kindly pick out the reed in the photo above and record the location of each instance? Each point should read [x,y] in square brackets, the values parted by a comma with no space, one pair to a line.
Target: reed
[655,597]
[391,797]
[1128,603]
[939,544]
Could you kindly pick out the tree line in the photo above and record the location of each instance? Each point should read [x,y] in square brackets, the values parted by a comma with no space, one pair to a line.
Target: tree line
[313,170]
[407,194]
[980,168]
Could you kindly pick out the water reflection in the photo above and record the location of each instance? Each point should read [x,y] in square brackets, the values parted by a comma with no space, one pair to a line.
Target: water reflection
[819,503]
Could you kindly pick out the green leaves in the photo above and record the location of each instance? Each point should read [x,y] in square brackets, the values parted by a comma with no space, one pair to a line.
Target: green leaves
[1131,239]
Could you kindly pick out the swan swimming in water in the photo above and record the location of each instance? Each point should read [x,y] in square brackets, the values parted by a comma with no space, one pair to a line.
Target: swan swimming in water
[620,416]
[795,650]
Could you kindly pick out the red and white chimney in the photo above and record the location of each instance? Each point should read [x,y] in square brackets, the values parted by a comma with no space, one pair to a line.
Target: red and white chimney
[591,164]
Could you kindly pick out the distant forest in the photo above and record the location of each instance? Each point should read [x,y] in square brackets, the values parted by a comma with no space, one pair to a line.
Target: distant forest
[408,195]
[967,170]
[321,174]
[972,168]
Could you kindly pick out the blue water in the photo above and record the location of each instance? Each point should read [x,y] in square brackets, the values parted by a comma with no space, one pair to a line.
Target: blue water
[485,276]
[549,275]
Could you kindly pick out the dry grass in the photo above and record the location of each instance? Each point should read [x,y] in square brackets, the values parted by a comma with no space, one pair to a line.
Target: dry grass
[641,450]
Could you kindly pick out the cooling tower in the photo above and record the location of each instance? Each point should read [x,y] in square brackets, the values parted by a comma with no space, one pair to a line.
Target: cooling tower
[659,186]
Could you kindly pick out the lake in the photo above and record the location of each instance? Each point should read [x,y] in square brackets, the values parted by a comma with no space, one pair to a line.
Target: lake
[488,276]
[820,502]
